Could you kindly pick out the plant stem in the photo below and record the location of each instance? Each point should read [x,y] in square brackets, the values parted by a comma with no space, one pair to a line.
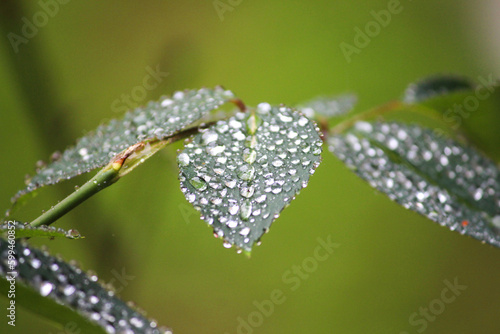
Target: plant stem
[119,166]
[101,180]
[341,127]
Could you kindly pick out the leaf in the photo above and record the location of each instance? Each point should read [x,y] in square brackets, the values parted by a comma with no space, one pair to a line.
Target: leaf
[20,230]
[328,106]
[61,292]
[157,120]
[437,177]
[241,173]
[435,86]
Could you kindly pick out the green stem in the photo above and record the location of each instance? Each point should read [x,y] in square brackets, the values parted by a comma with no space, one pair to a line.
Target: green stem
[101,180]
[120,166]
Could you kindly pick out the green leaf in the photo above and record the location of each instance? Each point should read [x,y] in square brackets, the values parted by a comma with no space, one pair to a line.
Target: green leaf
[435,86]
[437,177]
[241,173]
[157,120]
[20,230]
[469,109]
[63,293]
[328,106]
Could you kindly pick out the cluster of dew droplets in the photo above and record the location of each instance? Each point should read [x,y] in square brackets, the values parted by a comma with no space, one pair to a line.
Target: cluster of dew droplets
[432,175]
[242,172]
[158,119]
[68,285]
[44,230]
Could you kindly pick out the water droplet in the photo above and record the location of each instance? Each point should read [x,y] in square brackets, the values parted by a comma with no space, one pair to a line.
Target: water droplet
[261,198]
[277,163]
[478,194]
[232,223]
[178,95]
[183,159]
[216,200]
[72,233]
[303,121]
[246,210]
[166,102]
[230,184]
[244,231]
[285,118]
[36,263]
[136,322]
[209,137]
[246,172]
[264,108]
[363,127]
[249,156]
[274,128]
[496,221]
[253,122]
[239,136]
[392,144]
[83,152]
[233,208]
[46,288]
[235,124]
[247,192]
[213,151]
[198,183]
[69,290]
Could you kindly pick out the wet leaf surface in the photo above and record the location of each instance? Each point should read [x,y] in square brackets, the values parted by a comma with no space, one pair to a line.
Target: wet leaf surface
[241,173]
[439,178]
[64,293]
[156,120]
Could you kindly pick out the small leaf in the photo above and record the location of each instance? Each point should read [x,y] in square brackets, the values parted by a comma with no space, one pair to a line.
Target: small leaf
[437,177]
[328,106]
[61,292]
[434,86]
[20,230]
[241,173]
[157,120]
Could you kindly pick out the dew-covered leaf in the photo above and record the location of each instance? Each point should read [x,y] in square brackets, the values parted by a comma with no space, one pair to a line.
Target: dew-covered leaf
[434,86]
[437,177]
[241,173]
[157,120]
[63,293]
[20,230]
[328,106]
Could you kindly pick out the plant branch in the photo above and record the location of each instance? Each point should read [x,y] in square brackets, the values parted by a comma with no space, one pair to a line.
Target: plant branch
[120,165]
[101,180]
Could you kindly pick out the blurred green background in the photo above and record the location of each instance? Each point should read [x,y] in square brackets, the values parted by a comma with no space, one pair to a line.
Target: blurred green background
[391,262]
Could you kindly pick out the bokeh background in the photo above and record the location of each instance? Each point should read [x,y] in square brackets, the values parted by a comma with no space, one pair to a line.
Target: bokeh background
[390,263]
